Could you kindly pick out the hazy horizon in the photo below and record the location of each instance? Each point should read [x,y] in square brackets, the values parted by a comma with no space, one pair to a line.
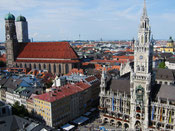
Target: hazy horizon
[89,20]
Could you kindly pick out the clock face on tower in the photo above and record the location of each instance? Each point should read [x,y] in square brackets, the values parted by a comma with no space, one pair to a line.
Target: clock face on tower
[8,37]
[141,57]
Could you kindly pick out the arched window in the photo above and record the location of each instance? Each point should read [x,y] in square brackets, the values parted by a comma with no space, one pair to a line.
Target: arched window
[138,109]
[39,66]
[44,66]
[34,66]
[145,38]
[143,69]
[49,68]
[138,68]
[59,68]
[30,66]
[54,67]
[67,68]
[142,39]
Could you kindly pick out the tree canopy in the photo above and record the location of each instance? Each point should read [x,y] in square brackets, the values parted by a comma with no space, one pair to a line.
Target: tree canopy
[162,65]
[19,110]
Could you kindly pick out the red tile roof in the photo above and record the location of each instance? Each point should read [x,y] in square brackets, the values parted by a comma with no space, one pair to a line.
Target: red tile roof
[64,91]
[47,52]
[75,71]
[91,78]
[3,58]
[124,57]
[50,61]
[108,61]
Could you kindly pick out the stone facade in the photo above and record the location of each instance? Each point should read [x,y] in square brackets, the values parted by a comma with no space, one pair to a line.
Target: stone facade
[138,103]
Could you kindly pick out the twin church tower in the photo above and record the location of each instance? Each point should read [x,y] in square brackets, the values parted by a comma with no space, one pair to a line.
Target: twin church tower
[16,30]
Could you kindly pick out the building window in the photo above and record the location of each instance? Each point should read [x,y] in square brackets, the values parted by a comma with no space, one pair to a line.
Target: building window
[3,111]
[49,68]
[138,68]
[59,68]
[39,66]
[30,66]
[34,66]
[54,67]
[67,68]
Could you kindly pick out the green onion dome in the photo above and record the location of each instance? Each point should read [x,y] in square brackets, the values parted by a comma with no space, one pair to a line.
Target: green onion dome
[21,18]
[9,16]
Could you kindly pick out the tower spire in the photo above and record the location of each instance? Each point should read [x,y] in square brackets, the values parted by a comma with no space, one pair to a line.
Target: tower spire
[144,10]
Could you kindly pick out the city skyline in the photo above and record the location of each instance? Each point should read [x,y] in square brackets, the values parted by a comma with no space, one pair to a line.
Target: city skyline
[107,19]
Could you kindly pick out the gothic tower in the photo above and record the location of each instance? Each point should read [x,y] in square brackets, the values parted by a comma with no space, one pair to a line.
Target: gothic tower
[22,29]
[142,76]
[103,82]
[11,40]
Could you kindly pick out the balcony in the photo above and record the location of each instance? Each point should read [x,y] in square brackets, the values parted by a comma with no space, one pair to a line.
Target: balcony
[138,111]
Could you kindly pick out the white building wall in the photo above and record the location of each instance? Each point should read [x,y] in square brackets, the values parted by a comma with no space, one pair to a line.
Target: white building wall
[22,31]
[9,98]
[170,65]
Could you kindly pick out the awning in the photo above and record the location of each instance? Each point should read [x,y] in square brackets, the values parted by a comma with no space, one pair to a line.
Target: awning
[80,120]
[67,127]
[87,113]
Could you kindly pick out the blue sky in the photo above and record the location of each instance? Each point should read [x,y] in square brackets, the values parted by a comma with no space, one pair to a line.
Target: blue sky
[94,19]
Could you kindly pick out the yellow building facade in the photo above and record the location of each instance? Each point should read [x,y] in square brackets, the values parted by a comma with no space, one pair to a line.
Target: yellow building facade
[43,110]
[170,46]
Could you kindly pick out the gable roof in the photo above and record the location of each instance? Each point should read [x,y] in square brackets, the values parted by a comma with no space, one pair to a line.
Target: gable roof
[12,84]
[121,86]
[64,91]
[165,74]
[46,52]
[12,123]
[166,92]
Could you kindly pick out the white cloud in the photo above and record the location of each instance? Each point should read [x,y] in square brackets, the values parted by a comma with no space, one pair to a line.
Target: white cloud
[66,19]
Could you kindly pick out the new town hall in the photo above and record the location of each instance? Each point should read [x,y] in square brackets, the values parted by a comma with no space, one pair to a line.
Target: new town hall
[136,100]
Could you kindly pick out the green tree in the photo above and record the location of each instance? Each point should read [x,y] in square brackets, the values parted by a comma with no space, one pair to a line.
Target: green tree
[49,83]
[2,64]
[19,110]
[162,65]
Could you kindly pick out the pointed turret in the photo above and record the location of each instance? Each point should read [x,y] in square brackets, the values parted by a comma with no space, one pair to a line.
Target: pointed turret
[144,29]
[103,81]
[142,77]
[144,10]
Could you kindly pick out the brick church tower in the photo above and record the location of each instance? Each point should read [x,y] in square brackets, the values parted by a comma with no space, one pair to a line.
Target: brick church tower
[11,39]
